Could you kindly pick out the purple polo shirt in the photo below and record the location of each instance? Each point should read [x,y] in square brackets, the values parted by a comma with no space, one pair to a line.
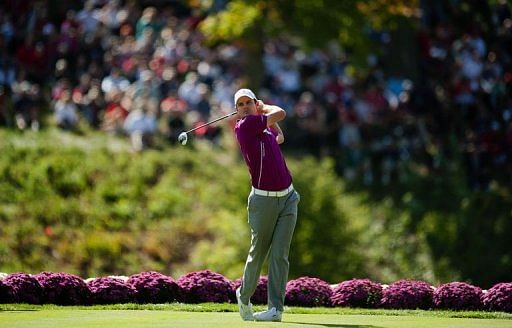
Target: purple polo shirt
[262,154]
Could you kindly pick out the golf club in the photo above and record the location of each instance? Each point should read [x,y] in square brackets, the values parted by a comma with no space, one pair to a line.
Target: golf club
[183,137]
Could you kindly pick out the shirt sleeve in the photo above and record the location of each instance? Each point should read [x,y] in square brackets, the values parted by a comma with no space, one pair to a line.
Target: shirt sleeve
[274,132]
[254,124]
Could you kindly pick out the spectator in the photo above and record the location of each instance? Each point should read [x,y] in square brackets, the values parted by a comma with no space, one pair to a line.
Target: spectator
[113,54]
[140,125]
[87,18]
[66,112]
[174,110]
[114,82]
[147,22]
[34,58]
[26,103]
[115,112]
[87,96]
[6,28]
[147,86]
[5,115]
[7,68]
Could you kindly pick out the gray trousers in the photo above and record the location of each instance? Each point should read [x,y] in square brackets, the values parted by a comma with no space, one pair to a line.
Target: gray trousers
[272,221]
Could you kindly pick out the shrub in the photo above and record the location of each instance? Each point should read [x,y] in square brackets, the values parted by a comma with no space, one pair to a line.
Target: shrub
[499,297]
[26,288]
[6,293]
[106,290]
[307,291]
[260,294]
[407,294]
[205,286]
[63,288]
[458,296]
[337,254]
[357,293]
[154,287]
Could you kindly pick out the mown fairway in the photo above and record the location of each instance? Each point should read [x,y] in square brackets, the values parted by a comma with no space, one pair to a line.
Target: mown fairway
[71,317]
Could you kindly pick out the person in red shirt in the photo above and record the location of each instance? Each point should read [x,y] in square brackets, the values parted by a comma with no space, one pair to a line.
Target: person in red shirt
[272,203]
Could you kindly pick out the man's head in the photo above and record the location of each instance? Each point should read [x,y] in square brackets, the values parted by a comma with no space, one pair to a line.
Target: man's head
[245,102]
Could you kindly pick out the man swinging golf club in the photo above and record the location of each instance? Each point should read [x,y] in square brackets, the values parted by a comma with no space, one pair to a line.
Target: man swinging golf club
[272,203]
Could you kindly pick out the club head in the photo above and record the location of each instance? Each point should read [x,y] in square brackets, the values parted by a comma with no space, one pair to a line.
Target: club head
[183,138]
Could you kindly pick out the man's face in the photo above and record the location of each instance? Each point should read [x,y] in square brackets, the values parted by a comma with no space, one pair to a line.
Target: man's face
[245,106]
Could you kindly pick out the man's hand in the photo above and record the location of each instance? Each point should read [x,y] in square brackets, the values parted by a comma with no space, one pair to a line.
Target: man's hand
[280,138]
[274,113]
[280,134]
[260,107]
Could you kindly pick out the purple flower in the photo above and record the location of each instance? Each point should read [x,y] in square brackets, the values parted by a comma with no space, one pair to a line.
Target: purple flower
[407,294]
[63,288]
[499,297]
[357,293]
[307,291]
[260,294]
[205,286]
[6,293]
[26,288]
[106,290]
[458,296]
[154,287]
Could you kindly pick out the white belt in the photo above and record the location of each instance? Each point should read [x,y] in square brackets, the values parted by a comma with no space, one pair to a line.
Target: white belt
[267,193]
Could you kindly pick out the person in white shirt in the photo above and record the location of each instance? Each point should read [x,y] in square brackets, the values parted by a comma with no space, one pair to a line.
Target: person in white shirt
[66,112]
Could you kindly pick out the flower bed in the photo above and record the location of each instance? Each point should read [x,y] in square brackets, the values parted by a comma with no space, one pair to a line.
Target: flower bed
[63,288]
[205,286]
[307,291]
[106,290]
[357,293]
[499,297]
[26,288]
[6,293]
[260,294]
[154,287]
[407,294]
[458,296]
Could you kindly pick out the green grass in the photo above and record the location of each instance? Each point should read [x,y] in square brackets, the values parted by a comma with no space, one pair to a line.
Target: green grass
[225,315]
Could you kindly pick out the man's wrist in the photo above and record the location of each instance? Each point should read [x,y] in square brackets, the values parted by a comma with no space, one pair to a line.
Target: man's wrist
[269,108]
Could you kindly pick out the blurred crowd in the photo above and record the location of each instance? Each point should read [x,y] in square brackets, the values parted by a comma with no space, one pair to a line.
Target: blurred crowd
[145,71]
[112,65]
[466,86]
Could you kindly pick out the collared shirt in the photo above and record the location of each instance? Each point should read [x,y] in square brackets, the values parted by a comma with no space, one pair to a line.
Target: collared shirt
[262,154]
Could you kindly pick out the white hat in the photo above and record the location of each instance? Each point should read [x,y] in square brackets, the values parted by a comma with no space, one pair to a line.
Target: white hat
[244,92]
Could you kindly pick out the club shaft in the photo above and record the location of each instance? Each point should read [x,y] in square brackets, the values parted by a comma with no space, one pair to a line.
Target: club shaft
[215,120]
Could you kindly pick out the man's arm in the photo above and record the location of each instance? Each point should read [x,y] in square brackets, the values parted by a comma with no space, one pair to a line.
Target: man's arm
[274,113]
[280,134]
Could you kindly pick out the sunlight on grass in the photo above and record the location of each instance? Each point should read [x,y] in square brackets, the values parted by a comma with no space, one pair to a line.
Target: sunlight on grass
[60,317]
[227,307]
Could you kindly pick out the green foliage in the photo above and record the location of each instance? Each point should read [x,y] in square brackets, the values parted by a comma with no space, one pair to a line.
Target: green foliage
[95,211]
[326,240]
[96,208]
[234,22]
[304,23]
[315,23]
[431,227]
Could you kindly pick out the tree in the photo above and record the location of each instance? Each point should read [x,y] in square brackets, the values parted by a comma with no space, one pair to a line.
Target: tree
[310,23]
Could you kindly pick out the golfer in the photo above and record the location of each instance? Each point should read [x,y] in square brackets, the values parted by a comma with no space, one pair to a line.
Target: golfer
[272,203]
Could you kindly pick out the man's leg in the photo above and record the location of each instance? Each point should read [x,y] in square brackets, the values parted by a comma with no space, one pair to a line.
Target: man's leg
[278,262]
[262,217]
